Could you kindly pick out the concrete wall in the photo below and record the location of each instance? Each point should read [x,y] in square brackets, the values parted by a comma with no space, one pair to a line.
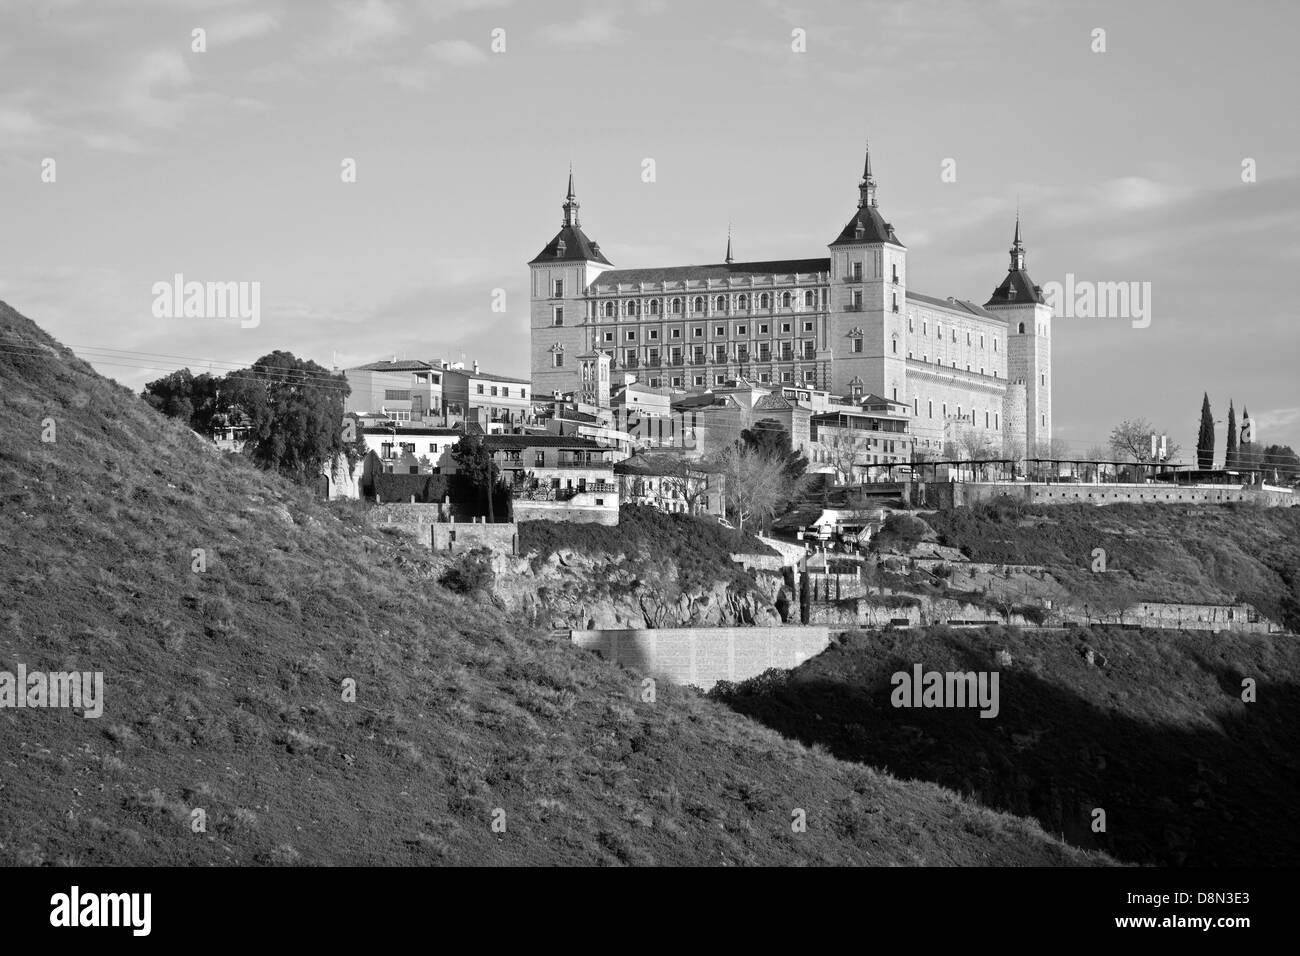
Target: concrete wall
[422,523]
[946,495]
[704,656]
[580,509]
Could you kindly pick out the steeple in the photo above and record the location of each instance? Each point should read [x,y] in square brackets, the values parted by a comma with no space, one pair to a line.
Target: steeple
[570,204]
[728,259]
[867,188]
[1017,249]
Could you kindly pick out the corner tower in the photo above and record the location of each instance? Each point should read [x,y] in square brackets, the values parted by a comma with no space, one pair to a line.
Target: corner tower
[868,300]
[559,277]
[1029,346]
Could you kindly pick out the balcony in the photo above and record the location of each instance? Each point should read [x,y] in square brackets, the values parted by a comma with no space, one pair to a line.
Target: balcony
[570,462]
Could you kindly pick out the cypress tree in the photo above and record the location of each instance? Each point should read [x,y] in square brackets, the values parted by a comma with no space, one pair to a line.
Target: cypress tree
[1205,440]
[1230,454]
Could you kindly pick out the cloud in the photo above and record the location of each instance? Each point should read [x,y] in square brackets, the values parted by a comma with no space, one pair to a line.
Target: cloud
[456,52]
[242,26]
[356,30]
[152,94]
[590,30]
[438,9]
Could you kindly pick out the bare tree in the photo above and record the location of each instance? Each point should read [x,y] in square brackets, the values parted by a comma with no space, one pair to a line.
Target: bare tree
[1097,454]
[757,483]
[688,477]
[1131,438]
[844,448]
[975,444]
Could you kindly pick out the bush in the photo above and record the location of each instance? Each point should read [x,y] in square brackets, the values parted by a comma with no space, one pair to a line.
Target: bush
[472,571]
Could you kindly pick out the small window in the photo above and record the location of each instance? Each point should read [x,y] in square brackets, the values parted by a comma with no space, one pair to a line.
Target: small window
[677,381]
[699,380]
[857,271]
[494,391]
[480,387]
[720,330]
[654,334]
[807,326]
[631,335]
[742,330]
[557,289]
[557,360]
[762,330]
[557,315]
[609,336]
[857,345]
[785,326]
[699,331]
[1022,328]
[677,333]
[719,380]
[894,342]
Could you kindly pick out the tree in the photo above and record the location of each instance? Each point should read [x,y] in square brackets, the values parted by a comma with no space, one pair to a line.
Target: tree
[1205,438]
[770,438]
[1097,454]
[688,477]
[193,399]
[1131,439]
[757,482]
[1230,453]
[294,410]
[476,468]
[1282,460]
[843,449]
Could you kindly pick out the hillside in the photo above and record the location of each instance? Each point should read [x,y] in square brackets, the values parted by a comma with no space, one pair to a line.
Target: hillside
[223,688]
[1217,554]
[1147,725]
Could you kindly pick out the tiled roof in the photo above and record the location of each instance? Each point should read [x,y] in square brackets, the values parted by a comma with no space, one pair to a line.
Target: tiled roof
[716,271]
[874,228]
[486,376]
[1025,291]
[576,247]
[773,403]
[952,305]
[390,431]
[405,365]
[662,464]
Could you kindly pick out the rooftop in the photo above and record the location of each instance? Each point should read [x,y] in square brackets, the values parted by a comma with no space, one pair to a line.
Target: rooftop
[404,365]
[501,442]
[952,305]
[716,271]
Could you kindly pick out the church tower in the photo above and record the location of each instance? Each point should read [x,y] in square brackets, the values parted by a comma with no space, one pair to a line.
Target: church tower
[868,302]
[1029,348]
[560,275]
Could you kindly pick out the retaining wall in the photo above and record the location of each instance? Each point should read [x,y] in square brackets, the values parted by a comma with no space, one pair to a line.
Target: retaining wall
[705,655]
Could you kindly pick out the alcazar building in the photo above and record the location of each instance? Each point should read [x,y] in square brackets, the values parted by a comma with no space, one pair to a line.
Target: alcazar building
[848,323]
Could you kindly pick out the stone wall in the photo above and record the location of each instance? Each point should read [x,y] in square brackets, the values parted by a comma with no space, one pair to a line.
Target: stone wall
[581,509]
[947,495]
[425,523]
[704,656]
[459,536]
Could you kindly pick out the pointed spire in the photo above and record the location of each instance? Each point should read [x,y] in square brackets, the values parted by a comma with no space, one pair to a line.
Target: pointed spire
[1017,247]
[570,203]
[867,188]
[728,259]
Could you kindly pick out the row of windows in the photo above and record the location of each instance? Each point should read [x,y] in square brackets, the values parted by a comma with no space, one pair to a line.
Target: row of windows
[502,391]
[938,330]
[721,303]
[698,355]
[700,381]
[991,419]
[926,359]
[629,335]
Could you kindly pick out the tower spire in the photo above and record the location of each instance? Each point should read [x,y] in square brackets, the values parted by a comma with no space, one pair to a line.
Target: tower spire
[1017,247]
[728,259]
[867,188]
[570,203]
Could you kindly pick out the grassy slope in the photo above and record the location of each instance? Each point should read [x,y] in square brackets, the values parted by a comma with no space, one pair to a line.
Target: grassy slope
[1155,733]
[1157,552]
[223,688]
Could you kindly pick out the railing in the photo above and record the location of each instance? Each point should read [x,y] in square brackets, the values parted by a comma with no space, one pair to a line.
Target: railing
[574,463]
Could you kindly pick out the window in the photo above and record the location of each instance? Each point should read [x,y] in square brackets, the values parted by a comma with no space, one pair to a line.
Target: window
[677,381]
[676,333]
[609,336]
[968,338]
[895,399]
[699,332]
[910,326]
[857,345]
[894,269]
[654,306]
[557,315]
[930,407]
[909,354]
[995,343]
[807,326]
[719,380]
[1022,328]
[1044,419]
[945,409]
[916,402]
[856,390]
[894,342]
[986,419]
[480,388]
[654,335]
[742,330]
[925,358]
[557,289]
[539,460]
[981,340]
[677,306]
[764,301]
[742,301]
[699,380]
[720,330]
[785,326]
[765,377]
[925,328]
[633,308]
[397,394]
[785,300]
[809,375]
[1042,379]
[720,304]
[494,391]
[997,420]
[762,329]
[656,383]
[631,335]
[719,353]
[787,376]
[609,310]
[809,299]
[856,271]
[698,304]
[557,360]
[938,330]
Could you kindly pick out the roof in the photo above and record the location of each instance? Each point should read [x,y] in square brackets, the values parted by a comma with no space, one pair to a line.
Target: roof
[399,431]
[1016,289]
[405,365]
[487,376]
[773,403]
[500,442]
[952,305]
[577,247]
[717,270]
[661,464]
[874,228]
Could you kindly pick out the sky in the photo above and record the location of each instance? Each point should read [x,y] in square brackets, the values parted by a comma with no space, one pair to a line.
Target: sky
[1128,164]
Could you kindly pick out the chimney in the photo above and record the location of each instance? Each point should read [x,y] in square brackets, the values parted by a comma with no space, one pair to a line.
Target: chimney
[476,368]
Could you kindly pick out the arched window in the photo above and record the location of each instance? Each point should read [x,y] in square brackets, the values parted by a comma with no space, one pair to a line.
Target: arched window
[809,298]
[720,303]
[764,301]
[633,307]
[677,306]
[699,304]
[1022,328]
[654,306]
[609,310]
[742,302]
[895,343]
[785,300]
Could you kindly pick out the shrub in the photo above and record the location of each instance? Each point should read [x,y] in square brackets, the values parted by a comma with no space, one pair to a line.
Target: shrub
[472,571]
